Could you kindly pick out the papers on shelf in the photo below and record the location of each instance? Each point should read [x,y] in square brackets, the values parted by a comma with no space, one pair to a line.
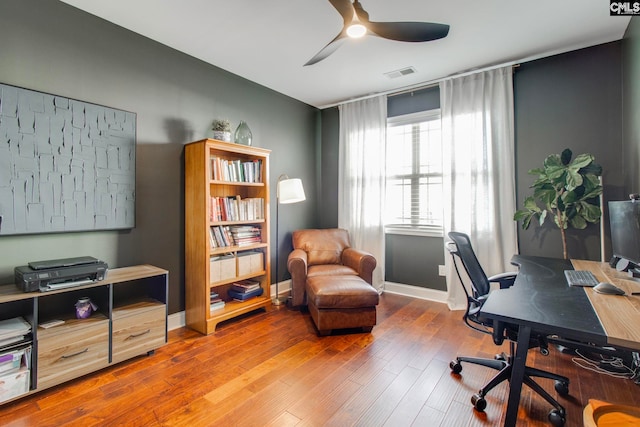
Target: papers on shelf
[13,330]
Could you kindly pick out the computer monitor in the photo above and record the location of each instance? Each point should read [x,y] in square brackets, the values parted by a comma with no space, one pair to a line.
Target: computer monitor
[624,220]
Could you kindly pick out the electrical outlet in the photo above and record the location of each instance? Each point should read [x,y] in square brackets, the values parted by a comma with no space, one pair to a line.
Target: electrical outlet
[441,270]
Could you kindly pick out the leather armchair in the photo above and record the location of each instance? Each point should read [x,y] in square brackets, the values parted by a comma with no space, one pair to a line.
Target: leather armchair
[325,252]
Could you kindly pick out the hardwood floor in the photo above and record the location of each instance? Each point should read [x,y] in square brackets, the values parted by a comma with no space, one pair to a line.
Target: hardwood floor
[270,369]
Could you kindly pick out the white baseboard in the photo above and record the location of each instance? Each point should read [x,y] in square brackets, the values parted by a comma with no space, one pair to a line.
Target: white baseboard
[177,320]
[416,292]
[284,289]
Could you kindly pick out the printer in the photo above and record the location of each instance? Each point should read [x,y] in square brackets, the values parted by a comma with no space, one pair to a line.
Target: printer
[56,274]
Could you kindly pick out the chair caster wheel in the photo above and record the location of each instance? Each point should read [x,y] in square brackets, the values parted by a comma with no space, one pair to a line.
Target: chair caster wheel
[478,402]
[456,367]
[561,387]
[556,418]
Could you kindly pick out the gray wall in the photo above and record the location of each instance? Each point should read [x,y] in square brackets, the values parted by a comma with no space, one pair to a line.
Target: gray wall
[328,194]
[631,107]
[54,48]
[573,100]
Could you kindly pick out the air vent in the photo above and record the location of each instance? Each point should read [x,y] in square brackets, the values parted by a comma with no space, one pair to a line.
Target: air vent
[399,73]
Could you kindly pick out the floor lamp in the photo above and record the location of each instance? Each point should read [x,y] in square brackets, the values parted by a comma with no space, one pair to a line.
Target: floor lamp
[288,190]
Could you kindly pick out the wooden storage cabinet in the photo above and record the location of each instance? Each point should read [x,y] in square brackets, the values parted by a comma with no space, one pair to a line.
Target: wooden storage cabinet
[72,350]
[130,320]
[137,329]
[203,191]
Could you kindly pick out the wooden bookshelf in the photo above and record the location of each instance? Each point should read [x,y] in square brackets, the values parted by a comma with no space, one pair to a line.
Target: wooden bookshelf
[201,184]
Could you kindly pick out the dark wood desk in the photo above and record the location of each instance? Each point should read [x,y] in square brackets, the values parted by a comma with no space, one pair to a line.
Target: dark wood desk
[540,299]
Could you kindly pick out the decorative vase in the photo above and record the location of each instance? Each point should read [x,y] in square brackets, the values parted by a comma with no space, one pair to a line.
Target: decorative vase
[84,308]
[243,134]
[222,135]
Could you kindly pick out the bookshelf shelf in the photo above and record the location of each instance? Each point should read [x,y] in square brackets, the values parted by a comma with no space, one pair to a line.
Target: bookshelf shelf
[255,221]
[205,162]
[237,278]
[234,309]
[237,183]
[235,249]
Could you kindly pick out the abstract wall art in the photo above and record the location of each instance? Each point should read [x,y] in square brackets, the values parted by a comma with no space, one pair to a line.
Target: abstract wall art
[65,165]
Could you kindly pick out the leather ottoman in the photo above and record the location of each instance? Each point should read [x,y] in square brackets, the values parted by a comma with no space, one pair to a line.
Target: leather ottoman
[340,302]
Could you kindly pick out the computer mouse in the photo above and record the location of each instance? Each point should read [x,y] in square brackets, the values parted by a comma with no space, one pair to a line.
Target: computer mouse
[608,288]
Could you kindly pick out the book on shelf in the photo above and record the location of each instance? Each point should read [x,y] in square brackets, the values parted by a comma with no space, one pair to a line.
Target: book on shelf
[215,301]
[236,170]
[218,305]
[245,234]
[236,208]
[245,286]
[234,235]
[221,237]
[243,296]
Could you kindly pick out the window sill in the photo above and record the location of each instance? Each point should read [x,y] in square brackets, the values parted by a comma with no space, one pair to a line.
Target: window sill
[415,231]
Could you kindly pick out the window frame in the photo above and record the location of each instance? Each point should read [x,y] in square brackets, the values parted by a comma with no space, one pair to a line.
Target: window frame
[415,230]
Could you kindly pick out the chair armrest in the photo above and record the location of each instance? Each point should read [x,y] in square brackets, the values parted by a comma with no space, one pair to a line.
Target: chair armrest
[362,262]
[505,279]
[297,266]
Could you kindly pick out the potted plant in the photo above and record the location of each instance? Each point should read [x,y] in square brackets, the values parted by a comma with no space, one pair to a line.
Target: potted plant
[567,191]
[221,130]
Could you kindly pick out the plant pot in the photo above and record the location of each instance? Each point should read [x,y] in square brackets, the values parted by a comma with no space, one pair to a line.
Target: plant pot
[222,135]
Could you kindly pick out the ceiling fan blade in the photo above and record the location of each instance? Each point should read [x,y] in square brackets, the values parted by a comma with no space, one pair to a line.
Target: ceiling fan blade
[331,47]
[409,31]
[344,8]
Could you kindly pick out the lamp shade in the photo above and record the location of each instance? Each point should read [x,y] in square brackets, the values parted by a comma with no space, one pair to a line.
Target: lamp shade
[290,191]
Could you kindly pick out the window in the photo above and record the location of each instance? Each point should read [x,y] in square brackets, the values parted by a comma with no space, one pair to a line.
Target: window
[414,174]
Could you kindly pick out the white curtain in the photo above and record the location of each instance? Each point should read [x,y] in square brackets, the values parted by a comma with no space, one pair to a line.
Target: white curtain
[361,180]
[479,171]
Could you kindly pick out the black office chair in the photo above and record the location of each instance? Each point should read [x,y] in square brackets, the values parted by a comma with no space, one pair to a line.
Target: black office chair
[480,285]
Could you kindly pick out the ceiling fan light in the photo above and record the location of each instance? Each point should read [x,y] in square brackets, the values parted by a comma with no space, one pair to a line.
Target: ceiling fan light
[356,30]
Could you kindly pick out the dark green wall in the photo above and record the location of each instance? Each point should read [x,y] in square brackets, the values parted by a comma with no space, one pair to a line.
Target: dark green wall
[631,106]
[52,47]
[573,100]
[328,194]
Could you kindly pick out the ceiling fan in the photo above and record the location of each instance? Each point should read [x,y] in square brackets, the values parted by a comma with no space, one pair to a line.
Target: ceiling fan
[357,24]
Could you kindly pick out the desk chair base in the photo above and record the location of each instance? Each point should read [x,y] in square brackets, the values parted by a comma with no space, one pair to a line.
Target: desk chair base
[502,363]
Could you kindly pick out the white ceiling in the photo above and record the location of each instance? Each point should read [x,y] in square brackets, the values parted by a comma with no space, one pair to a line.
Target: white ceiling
[268,41]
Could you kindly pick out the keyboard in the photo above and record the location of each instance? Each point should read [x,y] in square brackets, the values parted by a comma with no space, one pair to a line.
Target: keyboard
[580,278]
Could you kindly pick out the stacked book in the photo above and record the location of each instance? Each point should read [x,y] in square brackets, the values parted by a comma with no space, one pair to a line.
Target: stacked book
[217,303]
[245,234]
[245,289]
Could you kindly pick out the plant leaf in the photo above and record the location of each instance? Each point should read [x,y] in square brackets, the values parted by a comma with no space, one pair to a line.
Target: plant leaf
[530,204]
[569,197]
[551,161]
[565,157]
[593,169]
[591,213]
[543,217]
[581,161]
[578,222]
[555,172]
[573,179]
